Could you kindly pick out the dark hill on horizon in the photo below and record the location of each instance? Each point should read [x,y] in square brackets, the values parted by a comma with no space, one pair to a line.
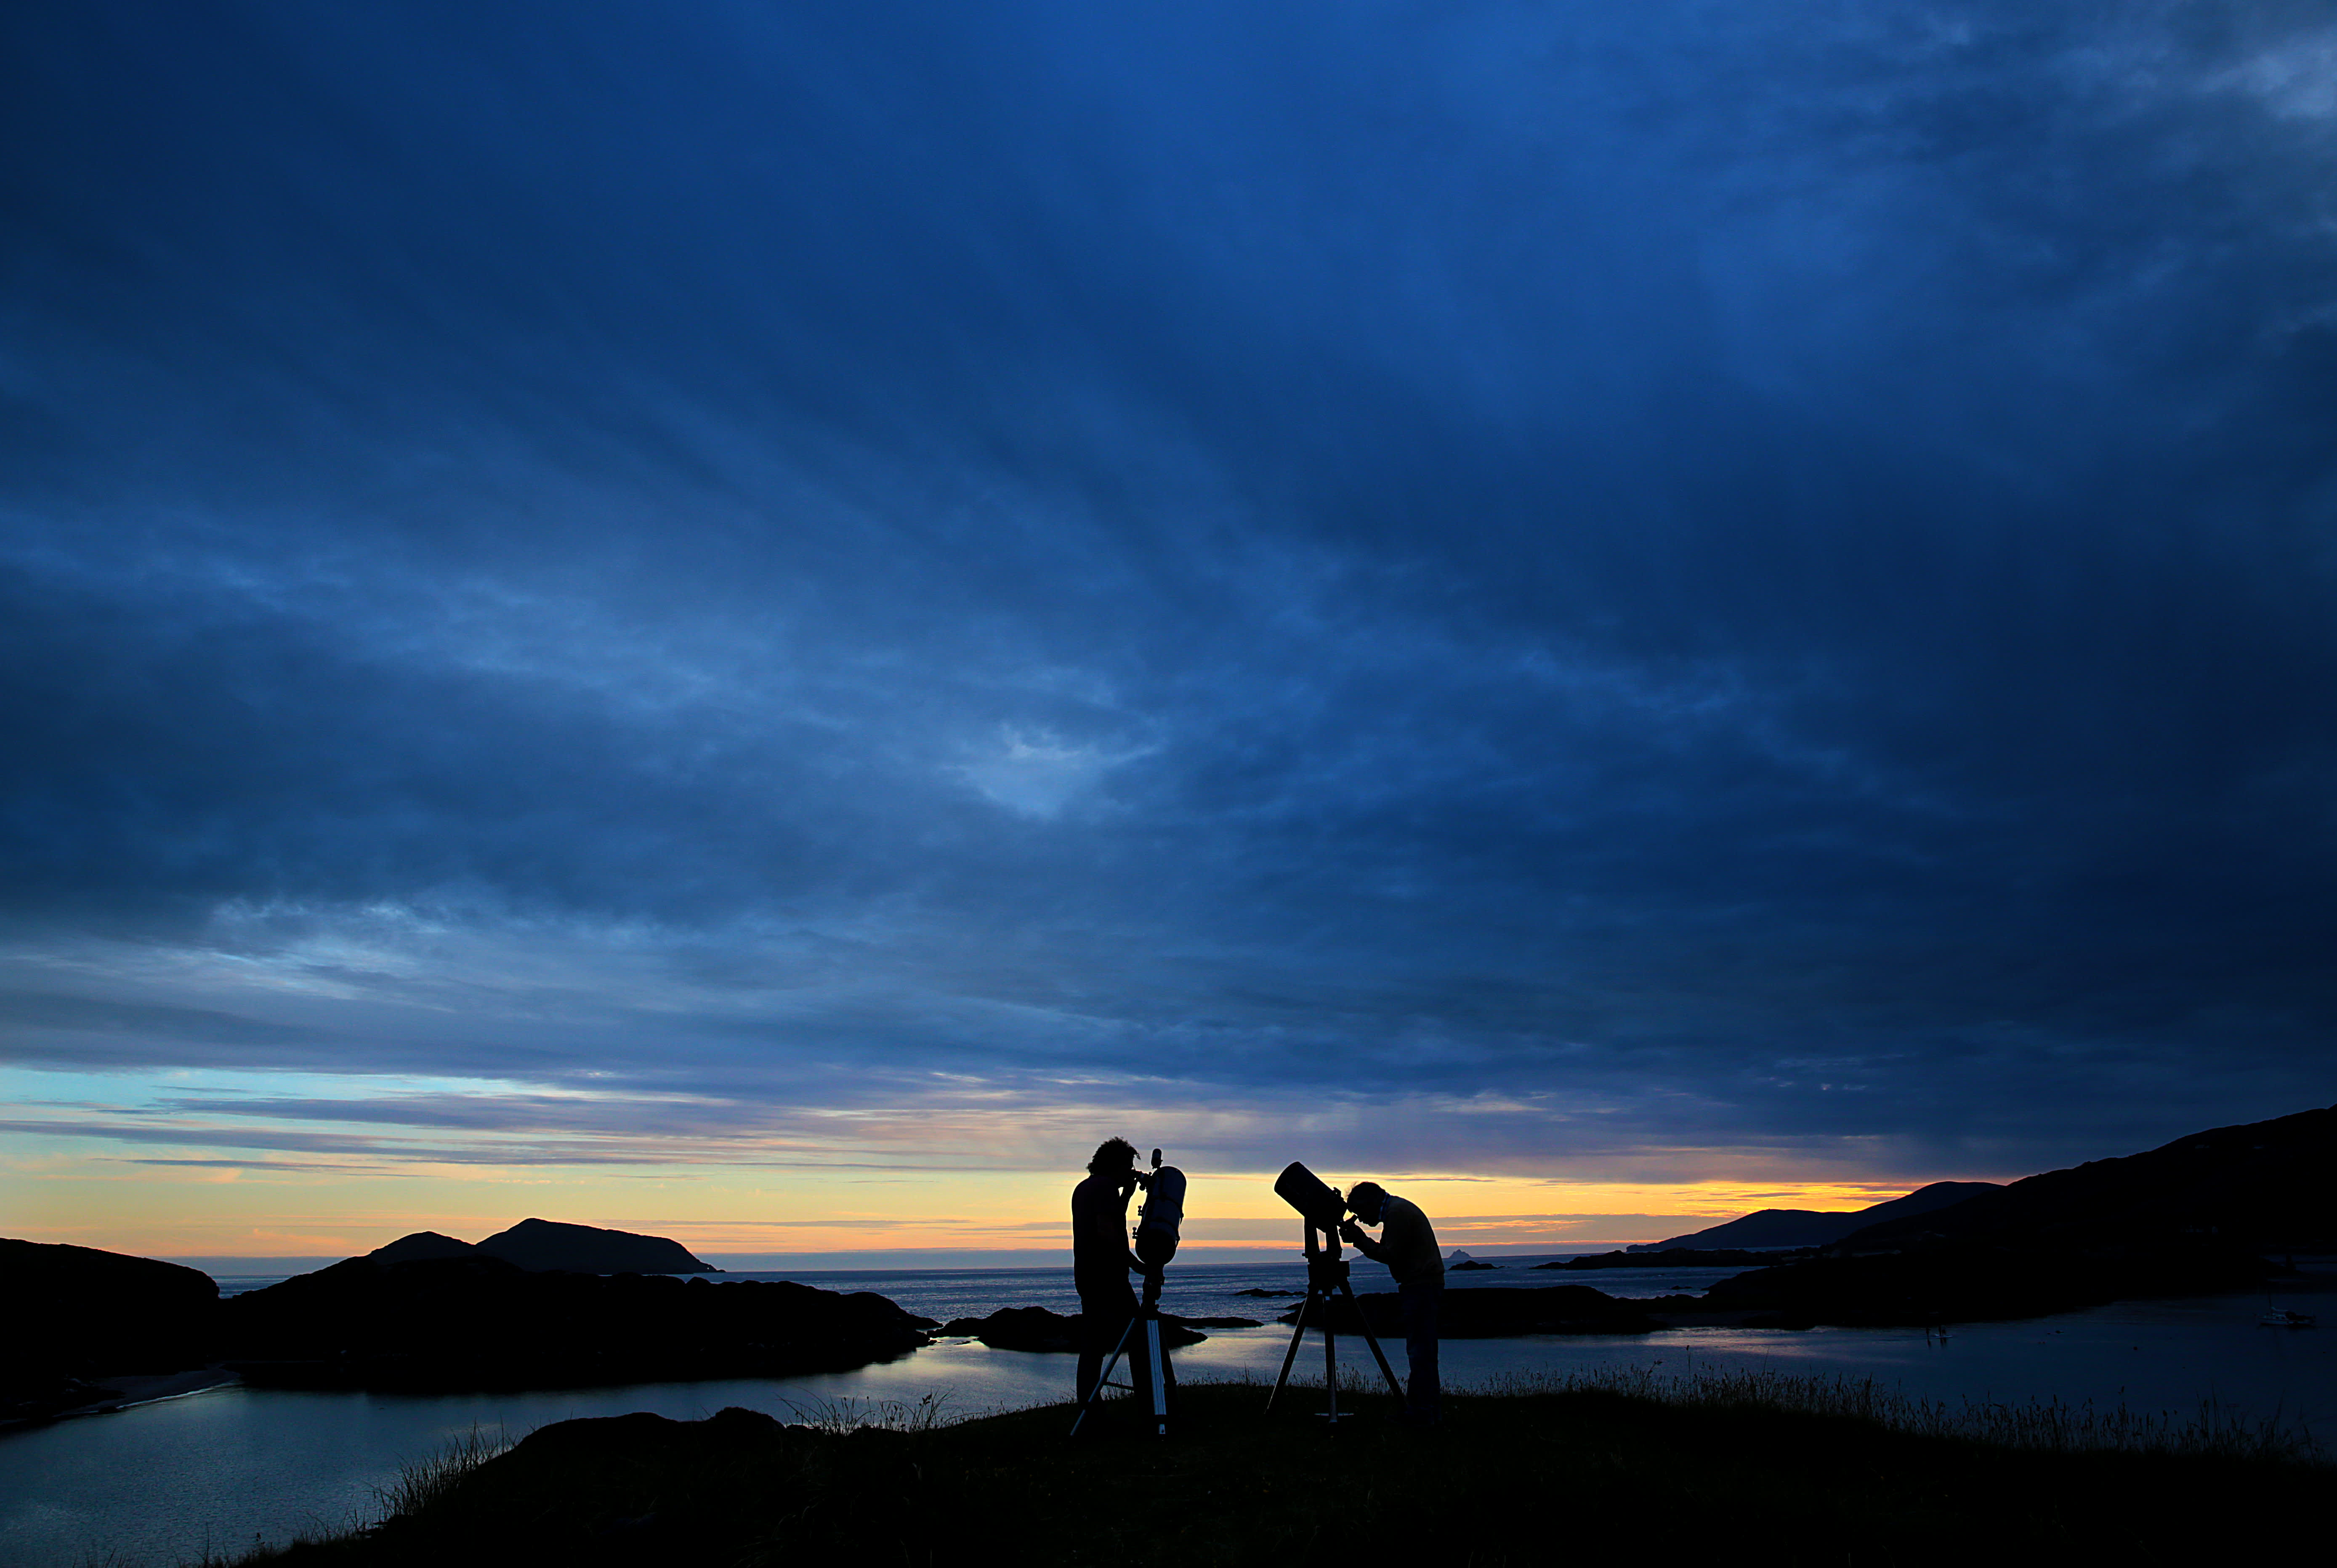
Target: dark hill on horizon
[1791,1228]
[542,1245]
[2192,1217]
[2262,1184]
[420,1245]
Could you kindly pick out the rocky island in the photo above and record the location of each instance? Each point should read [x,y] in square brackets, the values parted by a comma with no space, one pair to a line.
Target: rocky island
[443,1323]
[543,1305]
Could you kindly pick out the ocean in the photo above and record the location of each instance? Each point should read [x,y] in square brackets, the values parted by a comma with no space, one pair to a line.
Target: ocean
[215,1472]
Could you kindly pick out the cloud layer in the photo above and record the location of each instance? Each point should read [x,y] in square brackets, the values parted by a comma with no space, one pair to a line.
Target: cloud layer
[1500,588]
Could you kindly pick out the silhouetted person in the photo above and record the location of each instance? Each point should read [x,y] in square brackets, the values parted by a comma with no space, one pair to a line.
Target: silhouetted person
[1407,1245]
[1101,1262]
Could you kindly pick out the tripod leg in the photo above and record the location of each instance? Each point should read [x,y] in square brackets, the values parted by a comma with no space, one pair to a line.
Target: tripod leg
[1373,1340]
[1104,1377]
[1159,1357]
[1297,1335]
[1331,1367]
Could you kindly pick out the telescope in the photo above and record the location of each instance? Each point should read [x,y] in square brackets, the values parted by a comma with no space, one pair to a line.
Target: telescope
[1154,1244]
[1323,1209]
[1158,1216]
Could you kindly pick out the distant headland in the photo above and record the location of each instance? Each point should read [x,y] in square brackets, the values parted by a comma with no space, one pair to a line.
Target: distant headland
[541,1245]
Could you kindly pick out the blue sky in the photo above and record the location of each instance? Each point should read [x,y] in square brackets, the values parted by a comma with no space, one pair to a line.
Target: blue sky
[1592,598]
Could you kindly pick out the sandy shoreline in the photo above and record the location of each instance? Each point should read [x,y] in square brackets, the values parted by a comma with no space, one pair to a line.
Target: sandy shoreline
[148,1388]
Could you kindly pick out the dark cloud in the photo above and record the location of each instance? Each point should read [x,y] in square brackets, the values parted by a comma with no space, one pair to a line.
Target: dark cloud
[1758,578]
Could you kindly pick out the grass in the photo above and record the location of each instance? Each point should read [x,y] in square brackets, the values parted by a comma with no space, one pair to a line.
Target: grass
[2038,1426]
[840,1416]
[425,1481]
[1778,1468]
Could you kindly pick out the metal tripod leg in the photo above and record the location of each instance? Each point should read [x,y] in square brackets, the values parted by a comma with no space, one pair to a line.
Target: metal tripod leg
[1330,1367]
[1160,1374]
[1298,1336]
[1372,1339]
[1103,1378]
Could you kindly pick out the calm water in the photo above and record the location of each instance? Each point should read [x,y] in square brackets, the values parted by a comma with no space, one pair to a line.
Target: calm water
[215,1471]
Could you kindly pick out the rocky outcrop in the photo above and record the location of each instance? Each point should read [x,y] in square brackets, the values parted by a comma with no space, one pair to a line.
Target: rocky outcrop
[84,1316]
[1670,1258]
[1037,1328]
[547,1244]
[1494,1312]
[479,1322]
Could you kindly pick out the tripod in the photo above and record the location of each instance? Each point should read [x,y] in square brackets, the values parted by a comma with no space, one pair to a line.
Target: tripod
[1156,1355]
[1326,1271]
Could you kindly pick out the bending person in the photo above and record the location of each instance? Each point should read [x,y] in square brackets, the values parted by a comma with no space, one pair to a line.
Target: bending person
[1407,1245]
[1101,1262]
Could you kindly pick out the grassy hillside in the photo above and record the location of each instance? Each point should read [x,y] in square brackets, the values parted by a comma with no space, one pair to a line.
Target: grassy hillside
[1525,1477]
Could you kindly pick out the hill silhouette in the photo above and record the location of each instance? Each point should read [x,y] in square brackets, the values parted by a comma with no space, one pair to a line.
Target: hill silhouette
[1788,1228]
[82,1314]
[420,1244]
[542,1244]
[2266,1184]
[2193,1216]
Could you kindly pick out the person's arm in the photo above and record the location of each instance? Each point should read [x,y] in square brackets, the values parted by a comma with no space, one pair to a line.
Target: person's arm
[1374,1250]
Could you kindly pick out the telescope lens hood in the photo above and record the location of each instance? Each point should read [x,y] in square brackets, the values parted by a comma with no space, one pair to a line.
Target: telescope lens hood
[1304,1191]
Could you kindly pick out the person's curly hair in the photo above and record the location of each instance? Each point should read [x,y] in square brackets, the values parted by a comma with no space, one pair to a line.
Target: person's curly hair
[1112,1154]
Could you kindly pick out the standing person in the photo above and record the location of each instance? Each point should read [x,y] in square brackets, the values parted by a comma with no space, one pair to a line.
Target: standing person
[1100,1261]
[1407,1245]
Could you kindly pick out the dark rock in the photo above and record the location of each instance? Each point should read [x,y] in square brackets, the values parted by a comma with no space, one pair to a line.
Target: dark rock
[420,1244]
[1256,1292]
[546,1244]
[1468,1263]
[1495,1312]
[1037,1328]
[83,1313]
[478,1322]
[1671,1257]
